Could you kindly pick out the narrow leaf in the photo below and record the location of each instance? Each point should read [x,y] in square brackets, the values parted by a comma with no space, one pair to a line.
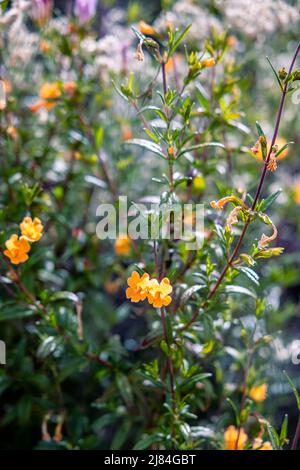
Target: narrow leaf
[151,146]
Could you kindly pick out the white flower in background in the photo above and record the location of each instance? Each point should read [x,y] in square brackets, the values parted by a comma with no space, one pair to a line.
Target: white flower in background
[262,18]
[187,12]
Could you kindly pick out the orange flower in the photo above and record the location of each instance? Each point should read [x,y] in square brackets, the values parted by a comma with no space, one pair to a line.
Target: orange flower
[280,142]
[147,29]
[48,93]
[36,106]
[231,41]
[258,444]
[138,287]
[173,60]
[143,287]
[123,245]
[7,86]
[126,133]
[17,249]
[45,46]
[70,87]
[296,191]
[259,392]
[31,229]
[171,151]
[12,132]
[209,62]
[224,200]
[159,293]
[235,439]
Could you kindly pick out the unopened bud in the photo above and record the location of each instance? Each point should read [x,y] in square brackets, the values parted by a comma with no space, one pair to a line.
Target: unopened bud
[282,73]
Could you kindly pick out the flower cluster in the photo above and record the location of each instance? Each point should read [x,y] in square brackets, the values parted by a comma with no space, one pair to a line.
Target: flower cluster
[49,92]
[18,247]
[236,439]
[142,287]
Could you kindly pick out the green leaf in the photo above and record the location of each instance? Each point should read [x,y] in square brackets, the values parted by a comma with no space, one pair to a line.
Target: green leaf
[202,97]
[151,146]
[146,441]
[121,435]
[4,4]
[156,110]
[119,91]
[12,311]
[275,73]
[178,39]
[283,148]
[274,438]
[5,382]
[191,381]
[47,347]
[138,34]
[283,431]
[232,289]
[125,389]
[151,135]
[259,130]
[250,274]
[235,410]
[64,295]
[294,389]
[266,203]
[99,134]
[200,146]
[190,292]
[91,179]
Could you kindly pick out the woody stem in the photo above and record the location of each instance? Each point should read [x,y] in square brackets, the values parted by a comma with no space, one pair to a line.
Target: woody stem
[169,360]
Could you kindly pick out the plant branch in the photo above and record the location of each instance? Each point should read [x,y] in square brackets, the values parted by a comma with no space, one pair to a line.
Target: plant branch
[256,197]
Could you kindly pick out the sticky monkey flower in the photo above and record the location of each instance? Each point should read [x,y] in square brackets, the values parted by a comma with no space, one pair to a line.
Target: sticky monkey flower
[141,288]
[235,439]
[258,444]
[70,87]
[147,29]
[122,245]
[296,193]
[259,392]
[159,293]
[209,62]
[17,249]
[280,142]
[31,230]
[48,93]
[224,200]
[138,287]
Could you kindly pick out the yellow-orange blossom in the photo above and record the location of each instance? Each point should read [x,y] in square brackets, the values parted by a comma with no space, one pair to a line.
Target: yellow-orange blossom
[18,247]
[142,287]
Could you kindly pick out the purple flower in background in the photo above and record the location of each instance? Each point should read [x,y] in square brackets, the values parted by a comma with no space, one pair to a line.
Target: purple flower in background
[41,10]
[85,9]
